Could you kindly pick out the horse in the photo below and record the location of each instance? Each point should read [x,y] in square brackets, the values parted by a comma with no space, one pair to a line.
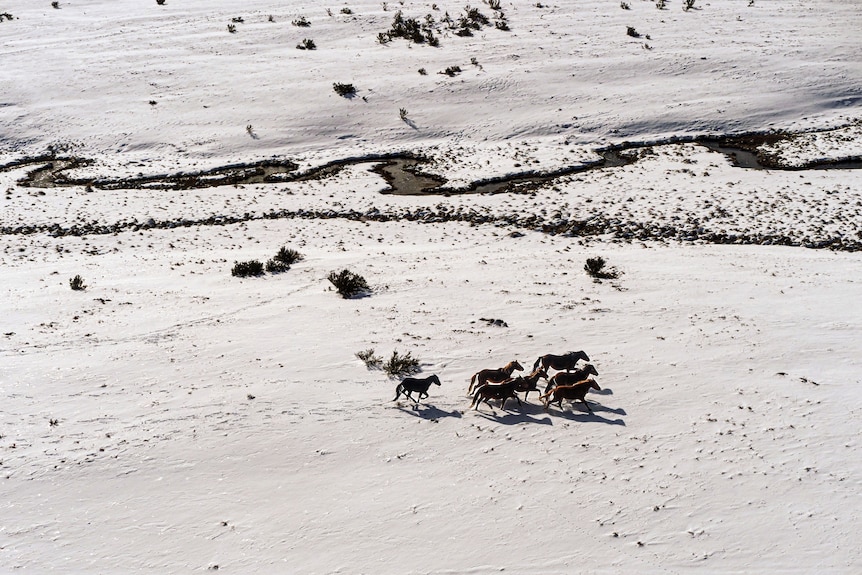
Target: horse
[493,375]
[501,391]
[528,383]
[572,392]
[561,362]
[410,384]
[570,378]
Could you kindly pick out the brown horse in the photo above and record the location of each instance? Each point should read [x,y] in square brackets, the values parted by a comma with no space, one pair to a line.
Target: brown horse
[561,362]
[566,378]
[501,391]
[410,384]
[528,383]
[493,375]
[572,392]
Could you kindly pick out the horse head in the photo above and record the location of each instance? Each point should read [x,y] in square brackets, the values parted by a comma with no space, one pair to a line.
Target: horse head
[594,384]
[435,380]
[590,369]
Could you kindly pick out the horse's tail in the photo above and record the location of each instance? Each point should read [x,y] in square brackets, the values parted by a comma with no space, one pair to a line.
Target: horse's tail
[536,365]
[398,391]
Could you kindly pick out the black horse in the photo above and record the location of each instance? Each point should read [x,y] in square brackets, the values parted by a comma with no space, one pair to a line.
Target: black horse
[561,362]
[410,384]
[501,391]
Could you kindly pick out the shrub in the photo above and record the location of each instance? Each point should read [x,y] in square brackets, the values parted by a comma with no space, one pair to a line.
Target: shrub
[423,72]
[399,365]
[77,283]
[595,268]
[345,90]
[402,112]
[625,6]
[452,70]
[274,266]
[231,28]
[160,2]
[306,44]
[688,5]
[371,360]
[346,10]
[6,15]
[632,32]
[302,22]
[347,283]
[661,4]
[55,5]
[247,269]
[288,256]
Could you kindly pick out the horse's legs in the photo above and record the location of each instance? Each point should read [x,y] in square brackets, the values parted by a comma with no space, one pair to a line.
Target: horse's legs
[588,405]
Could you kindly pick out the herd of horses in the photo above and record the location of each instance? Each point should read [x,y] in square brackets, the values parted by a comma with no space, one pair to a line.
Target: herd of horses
[567,383]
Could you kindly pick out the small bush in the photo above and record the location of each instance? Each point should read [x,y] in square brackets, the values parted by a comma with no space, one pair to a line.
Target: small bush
[452,71]
[423,72]
[231,28]
[399,365]
[7,16]
[595,268]
[347,283]
[55,5]
[302,22]
[661,4]
[688,5]
[625,6]
[160,2]
[371,360]
[345,90]
[346,10]
[274,266]
[247,269]
[402,113]
[77,283]
[632,32]
[288,256]
[307,44]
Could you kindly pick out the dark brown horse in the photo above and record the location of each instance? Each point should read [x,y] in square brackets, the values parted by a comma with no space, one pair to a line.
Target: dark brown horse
[528,383]
[493,375]
[571,392]
[501,391]
[561,362]
[567,378]
[410,384]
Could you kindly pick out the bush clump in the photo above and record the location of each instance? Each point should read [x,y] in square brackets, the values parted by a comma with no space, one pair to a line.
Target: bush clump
[399,365]
[371,360]
[345,90]
[288,256]
[595,268]
[77,283]
[348,284]
[247,269]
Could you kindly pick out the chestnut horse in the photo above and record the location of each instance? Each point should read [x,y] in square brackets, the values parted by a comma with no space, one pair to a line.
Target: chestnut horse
[493,375]
[567,378]
[501,391]
[572,392]
[561,362]
[410,384]
[528,383]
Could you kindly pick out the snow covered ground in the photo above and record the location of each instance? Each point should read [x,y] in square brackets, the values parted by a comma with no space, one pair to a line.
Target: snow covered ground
[171,417]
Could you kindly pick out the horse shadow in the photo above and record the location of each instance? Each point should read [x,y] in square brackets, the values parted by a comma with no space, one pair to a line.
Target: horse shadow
[428,412]
[586,416]
[514,418]
[603,391]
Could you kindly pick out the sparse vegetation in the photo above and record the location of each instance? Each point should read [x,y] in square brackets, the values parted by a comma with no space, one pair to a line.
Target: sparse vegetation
[402,113]
[371,360]
[302,22]
[346,10]
[423,72]
[452,71]
[55,5]
[688,5]
[288,256]
[250,268]
[625,6]
[160,2]
[595,268]
[399,365]
[632,32]
[231,28]
[345,90]
[347,283]
[306,44]
[661,4]
[6,16]
[77,283]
